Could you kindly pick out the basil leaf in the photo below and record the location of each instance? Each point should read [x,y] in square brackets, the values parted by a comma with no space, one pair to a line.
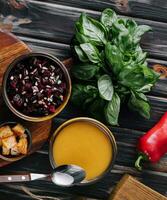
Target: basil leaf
[92,52]
[139,56]
[138,102]
[145,88]
[81,55]
[84,71]
[131,25]
[92,29]
[150,74]
[108,17]
[78,96]
[114,57]
[80,93]
[81,38]
[92,93]
[105,87]
[96,109]
[121,89]
[112,110]
[118,27]
[141,96]
[123,31]
[137,77]
[140,30]
[125,42]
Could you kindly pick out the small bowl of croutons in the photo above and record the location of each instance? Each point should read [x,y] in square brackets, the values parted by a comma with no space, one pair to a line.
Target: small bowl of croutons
[15,141]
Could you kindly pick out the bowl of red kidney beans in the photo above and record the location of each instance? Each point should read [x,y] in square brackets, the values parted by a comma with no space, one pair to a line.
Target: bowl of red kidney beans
[36,87]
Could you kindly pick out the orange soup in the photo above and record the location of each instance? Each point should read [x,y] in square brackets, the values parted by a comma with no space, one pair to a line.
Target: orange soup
[83,144]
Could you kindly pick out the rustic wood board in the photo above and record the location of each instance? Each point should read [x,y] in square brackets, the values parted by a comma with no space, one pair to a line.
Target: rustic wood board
[129,189]
[48,26]
[10,48]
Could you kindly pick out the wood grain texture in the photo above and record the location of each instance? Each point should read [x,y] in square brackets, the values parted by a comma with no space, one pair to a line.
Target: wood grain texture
[41,20]
[48,27]
[126,139]
[11,48]
[130,189]
[147,9]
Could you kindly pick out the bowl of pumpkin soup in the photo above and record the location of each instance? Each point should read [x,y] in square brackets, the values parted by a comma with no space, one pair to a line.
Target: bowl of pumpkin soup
[84,142]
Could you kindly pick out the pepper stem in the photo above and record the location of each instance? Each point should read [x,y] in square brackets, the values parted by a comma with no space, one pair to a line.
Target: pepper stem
[138,163]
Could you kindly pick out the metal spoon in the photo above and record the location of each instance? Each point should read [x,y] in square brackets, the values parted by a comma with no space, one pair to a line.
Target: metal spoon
[64,175]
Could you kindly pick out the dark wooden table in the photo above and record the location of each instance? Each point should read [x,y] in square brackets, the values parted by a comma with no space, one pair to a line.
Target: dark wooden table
[48,26]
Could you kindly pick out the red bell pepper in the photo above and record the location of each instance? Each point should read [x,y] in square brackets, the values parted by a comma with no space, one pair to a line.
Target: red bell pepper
[153,145]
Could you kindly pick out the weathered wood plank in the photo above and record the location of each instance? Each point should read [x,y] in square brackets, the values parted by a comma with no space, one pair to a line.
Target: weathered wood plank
[154,10]
[133,121]
[126,140]
[42,20]
[62,51]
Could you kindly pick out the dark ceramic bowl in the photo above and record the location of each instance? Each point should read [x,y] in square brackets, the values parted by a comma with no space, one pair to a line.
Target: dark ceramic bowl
[67,80]
[12,158]
[99,125]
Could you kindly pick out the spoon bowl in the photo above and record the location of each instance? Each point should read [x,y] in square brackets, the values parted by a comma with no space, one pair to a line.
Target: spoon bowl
[67,175]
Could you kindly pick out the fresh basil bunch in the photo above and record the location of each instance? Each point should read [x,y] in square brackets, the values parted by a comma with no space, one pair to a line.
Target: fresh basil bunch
[112,66]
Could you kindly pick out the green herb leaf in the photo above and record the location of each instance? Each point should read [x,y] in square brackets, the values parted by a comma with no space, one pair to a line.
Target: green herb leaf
[139,56]
[145,88]
[112,110]
[80,37]
[140,30]
[137,77]
[119,30]
[84,71]
[108,17]
[114,57]
[122,31]
[105,87]
[81,55]
[96,108]
[131,25]
[80,93]
[92,52]
[138,102]
[92,29]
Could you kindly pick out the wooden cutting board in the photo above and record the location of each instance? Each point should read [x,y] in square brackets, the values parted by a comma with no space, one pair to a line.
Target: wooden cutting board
[10,48]
[131,189]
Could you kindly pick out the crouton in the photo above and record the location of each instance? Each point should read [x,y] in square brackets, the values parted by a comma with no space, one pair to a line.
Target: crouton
[5,151]
[22,146]
[9,142]
[19,130]
[15,151]
[5,131]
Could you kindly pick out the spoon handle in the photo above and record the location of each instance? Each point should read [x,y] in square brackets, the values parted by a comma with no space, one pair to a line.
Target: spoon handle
[15,178]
